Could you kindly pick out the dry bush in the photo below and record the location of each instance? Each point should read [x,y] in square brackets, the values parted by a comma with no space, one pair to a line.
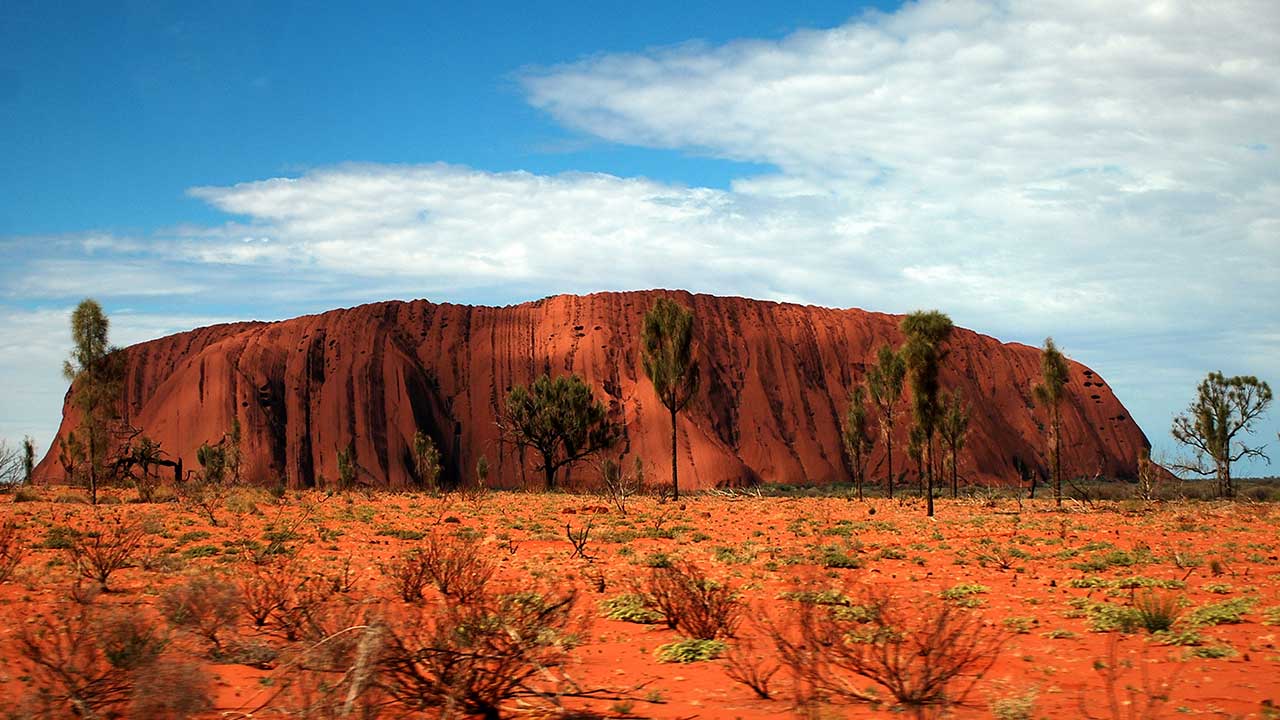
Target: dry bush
[471,657]
[691,603]
[104,665]
[1142,701]
[12,549]
[926,654]
[454,565]
[746,666]
[206,606]
[101,551]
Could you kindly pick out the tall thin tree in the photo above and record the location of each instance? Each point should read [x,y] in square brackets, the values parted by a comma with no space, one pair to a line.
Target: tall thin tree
[1049,394]
[28,458]
[926,332]
[858,440]
[884,384]
[670,364]
[95,372]
[952,430]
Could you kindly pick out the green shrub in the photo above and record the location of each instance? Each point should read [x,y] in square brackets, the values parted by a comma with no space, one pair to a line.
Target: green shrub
[1213,652]
[962,594]
[1015,707]
[690,650]
[1108,617]
[630,607]
[1157,613]
[835,558]
[1227,612]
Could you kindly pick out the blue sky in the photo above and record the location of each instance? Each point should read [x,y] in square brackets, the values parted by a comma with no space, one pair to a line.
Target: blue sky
[1101,172]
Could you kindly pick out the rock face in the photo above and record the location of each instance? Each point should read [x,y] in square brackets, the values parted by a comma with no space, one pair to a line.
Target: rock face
[775,384]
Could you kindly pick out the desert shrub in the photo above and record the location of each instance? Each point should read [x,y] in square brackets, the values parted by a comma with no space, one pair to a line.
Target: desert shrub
[25,494]
[104,665]
[630,607]
[1227,612]
[12,549]
[745,666]
[692,603]
[205,605]
[453,564]
[1157,613]
[471,657]
[1109,617]
[925,654]
[1015,707]
[687,650]
[101,551]
[1271,616]
[963,594]
[835,558]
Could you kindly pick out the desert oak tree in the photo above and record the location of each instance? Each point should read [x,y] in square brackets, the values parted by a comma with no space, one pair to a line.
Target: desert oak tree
[884,383]
[95,372]
[926,331]
[560,419]
[1213,426]
[1048,394]
[670,365]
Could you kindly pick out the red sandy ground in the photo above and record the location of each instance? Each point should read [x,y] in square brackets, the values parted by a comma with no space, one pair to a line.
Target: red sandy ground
[762,547]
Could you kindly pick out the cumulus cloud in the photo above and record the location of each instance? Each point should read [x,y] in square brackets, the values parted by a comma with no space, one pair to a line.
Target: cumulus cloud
[1101,171]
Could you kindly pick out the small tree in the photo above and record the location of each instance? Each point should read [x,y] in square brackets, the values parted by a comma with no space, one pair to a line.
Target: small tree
[10,465]
[669,363]
[28,459]
[915,453]
[426,461]
[213,462]
[95,370]
[1225,410]
[926,331]
[858,439]
[884,383]
[347,466]
[560,419]
[952,430]
[234,457]
[1049,393]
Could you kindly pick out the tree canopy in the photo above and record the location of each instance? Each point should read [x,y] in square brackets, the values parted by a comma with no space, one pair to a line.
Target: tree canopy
[560,419]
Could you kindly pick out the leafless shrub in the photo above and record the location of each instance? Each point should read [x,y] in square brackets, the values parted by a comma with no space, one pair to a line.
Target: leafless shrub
[692,603]
[454,565]
[104,549]
[12,549]
[103,665]
[1142,701]
[745,665]
[206,606]
[264,589]
[927,654]
[620,485]
[579,539]
[471,657]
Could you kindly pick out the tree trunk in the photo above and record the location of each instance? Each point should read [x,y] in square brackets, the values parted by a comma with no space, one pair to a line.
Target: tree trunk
[888,443]
[955,476]
[1057,458]
[929,473]
[93,470]
[550,470]
[675,484]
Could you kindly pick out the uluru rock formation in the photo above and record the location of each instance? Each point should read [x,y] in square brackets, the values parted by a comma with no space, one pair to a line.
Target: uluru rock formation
[775,383]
